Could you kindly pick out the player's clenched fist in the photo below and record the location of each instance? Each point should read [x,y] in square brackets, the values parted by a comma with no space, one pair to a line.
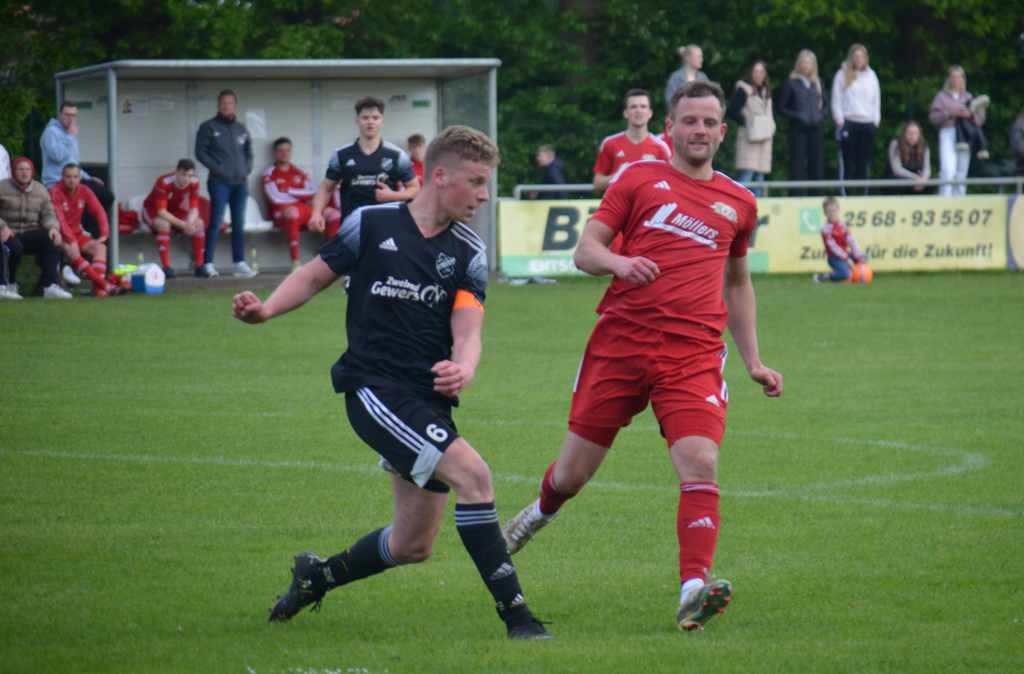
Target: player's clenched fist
[316,223]
[247,307]
[451,378]
[769,379]
[637,270]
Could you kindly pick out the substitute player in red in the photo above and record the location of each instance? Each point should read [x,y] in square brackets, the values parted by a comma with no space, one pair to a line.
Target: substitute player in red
[173,203]
[840,246]
[633,144]
[289,189]
[681,279]
[70,200]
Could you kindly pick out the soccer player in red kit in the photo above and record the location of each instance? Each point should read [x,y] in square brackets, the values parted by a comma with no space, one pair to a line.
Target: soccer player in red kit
[681,279]
[289,189]
[666,138]
[71,201]
[633,144]
[173,203]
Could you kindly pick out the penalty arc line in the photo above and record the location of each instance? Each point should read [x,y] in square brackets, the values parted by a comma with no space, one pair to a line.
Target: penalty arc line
[515,478]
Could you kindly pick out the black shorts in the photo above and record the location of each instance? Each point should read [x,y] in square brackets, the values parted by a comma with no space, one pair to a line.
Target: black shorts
[407,431]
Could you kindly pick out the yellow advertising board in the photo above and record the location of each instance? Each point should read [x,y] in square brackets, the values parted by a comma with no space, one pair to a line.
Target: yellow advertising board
[898,233]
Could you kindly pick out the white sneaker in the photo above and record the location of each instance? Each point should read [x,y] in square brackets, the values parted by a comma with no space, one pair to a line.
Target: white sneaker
[296,265]
[69,276]
[519,530]
[55,292]
[6,294]
[242,269]
[206,271]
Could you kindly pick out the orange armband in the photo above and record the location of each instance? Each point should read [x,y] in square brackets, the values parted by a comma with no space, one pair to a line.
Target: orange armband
[467,299]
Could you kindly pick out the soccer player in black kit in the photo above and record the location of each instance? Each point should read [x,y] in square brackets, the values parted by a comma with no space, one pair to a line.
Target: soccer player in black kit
[415,312]
[367,171]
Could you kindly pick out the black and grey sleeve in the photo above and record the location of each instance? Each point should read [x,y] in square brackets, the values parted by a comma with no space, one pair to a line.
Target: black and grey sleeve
[341,252]
[475,280]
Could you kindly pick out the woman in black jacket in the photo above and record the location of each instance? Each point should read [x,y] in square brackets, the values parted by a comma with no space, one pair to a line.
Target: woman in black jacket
[803,102]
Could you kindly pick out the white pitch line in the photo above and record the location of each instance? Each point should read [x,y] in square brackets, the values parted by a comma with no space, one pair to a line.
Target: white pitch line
[804,494]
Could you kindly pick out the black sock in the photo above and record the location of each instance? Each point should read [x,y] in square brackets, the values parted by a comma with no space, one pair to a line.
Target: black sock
[368,557]
[478,527]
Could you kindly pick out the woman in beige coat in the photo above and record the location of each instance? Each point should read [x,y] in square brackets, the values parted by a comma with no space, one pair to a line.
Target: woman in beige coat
[751,107]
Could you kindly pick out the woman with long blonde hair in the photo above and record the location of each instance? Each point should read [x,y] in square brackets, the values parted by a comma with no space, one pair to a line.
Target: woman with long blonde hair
[857,111]
[952,104]
[803,102]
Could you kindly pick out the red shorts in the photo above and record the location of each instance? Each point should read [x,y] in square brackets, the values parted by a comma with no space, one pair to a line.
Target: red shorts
[149,217]
[626,365]
[82,238]
[305,213]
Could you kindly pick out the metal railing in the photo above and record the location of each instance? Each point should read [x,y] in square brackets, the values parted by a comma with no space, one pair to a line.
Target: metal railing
[851,185]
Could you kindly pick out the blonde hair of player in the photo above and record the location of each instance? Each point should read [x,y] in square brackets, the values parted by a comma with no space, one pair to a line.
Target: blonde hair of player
[461,142]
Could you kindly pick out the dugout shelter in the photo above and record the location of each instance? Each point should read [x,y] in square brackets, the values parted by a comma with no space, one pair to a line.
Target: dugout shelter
[138,118]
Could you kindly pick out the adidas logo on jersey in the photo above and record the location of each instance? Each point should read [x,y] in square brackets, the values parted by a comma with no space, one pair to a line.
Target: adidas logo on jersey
[713,400]
[504,571]
[663,185]
[350,162]
[621,154]
[389,245]
[703,522]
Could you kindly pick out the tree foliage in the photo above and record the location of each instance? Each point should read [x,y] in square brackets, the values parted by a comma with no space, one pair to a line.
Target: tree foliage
[565,64]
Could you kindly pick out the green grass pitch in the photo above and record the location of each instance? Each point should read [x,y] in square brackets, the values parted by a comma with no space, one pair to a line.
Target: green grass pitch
[161,463]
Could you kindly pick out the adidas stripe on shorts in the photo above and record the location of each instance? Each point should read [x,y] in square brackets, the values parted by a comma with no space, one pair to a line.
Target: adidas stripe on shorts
[409,432]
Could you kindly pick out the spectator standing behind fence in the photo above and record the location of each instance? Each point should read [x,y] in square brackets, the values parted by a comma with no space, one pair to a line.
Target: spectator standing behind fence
[28,224]
[223,145]
[857,110]
[60,148]
[1017,141]
[693,60]
[752,108]
[553,173]
[803,102]
[959,117]
[909,159]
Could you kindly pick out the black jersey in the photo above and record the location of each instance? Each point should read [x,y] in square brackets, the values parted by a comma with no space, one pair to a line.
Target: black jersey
[401,296]
[359,173]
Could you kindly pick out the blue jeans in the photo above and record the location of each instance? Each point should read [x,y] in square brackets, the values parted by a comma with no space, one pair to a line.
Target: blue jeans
[842,269]
[221,195]
[752,177]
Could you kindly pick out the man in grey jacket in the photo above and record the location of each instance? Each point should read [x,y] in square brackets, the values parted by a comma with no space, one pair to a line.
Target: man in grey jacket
[223,145]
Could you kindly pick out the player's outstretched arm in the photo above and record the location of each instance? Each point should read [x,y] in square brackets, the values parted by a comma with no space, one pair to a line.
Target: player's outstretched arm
[738,293]
[323,197]
[451,377]
[298,288]
[594,257]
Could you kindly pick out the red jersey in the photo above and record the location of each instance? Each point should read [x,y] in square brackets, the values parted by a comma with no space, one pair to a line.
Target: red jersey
[70,208]
[618,150]
[166,195]
[417,168]
[688,228]
[287,187]
[839,240]
[667,140]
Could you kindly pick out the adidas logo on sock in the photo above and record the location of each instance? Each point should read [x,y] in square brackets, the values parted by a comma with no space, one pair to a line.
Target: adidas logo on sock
[504,571]
[704,522]
[389,245]
[711,398]
[663,185]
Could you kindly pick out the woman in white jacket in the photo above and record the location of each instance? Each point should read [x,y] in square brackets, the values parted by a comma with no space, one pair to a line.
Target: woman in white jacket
[857,111]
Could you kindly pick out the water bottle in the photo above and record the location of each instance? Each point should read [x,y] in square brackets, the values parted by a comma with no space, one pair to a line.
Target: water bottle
[255,263]
[142,257]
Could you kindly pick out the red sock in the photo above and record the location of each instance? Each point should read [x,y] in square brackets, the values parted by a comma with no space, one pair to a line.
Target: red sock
[697,525]
[199,247]
[82,267]
[291,232]
[333,224]
[551,500]
[163,246]
[100,266]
